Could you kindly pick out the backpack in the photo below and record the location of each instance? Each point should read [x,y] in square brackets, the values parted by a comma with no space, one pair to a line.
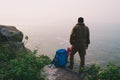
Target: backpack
[60,59]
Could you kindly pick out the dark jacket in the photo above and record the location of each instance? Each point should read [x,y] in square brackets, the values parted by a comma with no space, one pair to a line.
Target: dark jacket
[80,36]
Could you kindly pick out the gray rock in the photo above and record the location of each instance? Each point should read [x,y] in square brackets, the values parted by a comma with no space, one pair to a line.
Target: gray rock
[53,73]
[10,33]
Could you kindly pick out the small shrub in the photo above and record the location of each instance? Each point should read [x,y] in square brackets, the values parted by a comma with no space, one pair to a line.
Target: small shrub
[91,73]
[21,65]
[95,72]
[112,72]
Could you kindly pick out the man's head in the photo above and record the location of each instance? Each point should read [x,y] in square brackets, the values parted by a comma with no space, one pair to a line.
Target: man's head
[81,19]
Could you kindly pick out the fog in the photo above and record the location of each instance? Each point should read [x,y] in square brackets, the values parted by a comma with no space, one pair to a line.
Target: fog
[48,12]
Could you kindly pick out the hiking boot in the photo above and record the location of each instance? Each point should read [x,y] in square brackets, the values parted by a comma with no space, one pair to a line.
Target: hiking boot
[70,66]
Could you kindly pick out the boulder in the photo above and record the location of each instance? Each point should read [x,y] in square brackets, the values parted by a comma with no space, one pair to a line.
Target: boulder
[11,41]
[10,33]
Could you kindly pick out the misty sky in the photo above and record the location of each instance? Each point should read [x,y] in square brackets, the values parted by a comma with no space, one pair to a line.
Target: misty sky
[27,12]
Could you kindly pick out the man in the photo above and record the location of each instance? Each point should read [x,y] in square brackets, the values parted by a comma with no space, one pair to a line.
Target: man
[79,39]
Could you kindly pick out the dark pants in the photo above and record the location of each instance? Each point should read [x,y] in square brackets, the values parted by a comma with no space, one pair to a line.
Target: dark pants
[82,53]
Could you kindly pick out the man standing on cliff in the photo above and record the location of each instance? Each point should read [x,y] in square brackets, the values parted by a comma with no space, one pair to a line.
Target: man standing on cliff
[79,39]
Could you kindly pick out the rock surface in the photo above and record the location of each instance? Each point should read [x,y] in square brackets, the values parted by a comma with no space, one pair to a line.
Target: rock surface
[54,73]
[10,33]
[11,39]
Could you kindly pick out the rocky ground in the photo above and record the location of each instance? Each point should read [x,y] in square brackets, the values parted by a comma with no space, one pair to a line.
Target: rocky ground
[54,73]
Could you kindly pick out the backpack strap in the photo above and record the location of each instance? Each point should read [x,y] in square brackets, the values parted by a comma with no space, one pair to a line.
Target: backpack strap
[52,63]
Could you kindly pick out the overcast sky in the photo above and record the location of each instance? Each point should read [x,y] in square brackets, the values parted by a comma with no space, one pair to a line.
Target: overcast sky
[16,12]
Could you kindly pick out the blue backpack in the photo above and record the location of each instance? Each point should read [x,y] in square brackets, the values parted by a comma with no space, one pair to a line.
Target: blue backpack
[60,59]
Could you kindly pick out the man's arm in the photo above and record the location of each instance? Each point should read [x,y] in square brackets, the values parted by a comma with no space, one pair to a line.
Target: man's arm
[72,36]
[88,36]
